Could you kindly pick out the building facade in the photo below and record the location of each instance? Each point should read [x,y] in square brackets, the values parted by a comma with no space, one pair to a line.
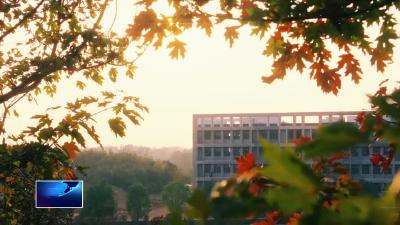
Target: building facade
[219,138]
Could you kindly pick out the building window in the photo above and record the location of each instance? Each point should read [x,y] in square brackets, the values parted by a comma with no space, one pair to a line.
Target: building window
[227,153]
[290,134]
[200,170]
[234,168]
[254,136]
[207,168]
[365,169]
[396,168]
[246,150]
[227,135]
[365,151]
[314,133]
[376,150]
[263,133]
[273,135]
[376,170]
[307,132]
[207,152]
[255,151]
[355,169]
[354,152]
[207,135]
[217,169]
[217,135]
[298,133]
[227,169]
[389,170]
[217,152]
[236,152]
[199,153]
[246,135]
[283,136]
[200,137]
[260,152]
[236,134]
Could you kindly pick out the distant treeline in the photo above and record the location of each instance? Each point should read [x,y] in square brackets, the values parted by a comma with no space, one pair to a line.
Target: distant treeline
[125,166]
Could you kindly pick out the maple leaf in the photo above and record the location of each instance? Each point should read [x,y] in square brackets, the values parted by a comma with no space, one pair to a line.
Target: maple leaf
[376,159]
[380,58]
[177,48]
[71,149]
[302,140]
[381,92]
[344,179]
[231,34]
[273,216]
[360,118]
[254,188]
[294,220]
[245,163]
[10,179]
[386,164]
[205,23]
[278,70]
[263,222]
[144,21]
[352,66]
[69,174]
[338,156]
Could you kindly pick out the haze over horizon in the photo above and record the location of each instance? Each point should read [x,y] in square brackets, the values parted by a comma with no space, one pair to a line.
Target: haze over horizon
[212,78]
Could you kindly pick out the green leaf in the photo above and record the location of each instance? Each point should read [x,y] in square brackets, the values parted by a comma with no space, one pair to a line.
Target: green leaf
[334,137]
[297,180]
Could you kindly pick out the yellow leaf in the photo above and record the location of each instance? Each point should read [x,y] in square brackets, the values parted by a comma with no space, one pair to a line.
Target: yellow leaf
[205,23]
[178,48]
[231,34]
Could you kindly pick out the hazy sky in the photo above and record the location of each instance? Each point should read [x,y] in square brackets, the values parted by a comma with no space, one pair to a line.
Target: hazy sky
[212,78]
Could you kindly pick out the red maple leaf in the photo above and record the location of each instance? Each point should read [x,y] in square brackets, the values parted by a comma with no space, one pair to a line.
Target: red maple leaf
[294,220]
[302,140]
[273,216]
[245,163]
[338,156]
[254,189]
[381,91]
[376,159]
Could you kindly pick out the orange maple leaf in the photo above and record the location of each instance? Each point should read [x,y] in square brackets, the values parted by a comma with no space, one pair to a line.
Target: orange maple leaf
[69,174]
[71,149]
[178,48]
[380,58]
[231,34]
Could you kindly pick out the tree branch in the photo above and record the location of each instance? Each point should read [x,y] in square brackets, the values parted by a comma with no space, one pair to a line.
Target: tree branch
[25,18]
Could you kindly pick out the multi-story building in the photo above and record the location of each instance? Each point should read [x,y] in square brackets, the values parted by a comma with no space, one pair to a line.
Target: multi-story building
[219,138]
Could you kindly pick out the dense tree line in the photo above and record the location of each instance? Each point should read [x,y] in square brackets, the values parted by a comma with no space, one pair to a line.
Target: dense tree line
[122,169]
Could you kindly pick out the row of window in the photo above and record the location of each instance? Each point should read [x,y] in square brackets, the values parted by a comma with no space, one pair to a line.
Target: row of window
[210,170]
[226,152]
[270,134]
[365,169]
[366,151]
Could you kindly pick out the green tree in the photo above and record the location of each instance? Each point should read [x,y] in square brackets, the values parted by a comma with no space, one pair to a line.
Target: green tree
[174,196]
[20,167]
[68,42]
[138,201]
[99,202]
[43,43]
